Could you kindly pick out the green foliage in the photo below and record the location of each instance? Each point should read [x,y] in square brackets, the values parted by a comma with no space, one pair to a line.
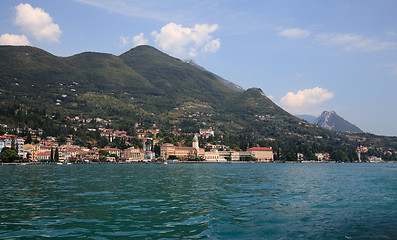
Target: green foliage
[339,156]
[8,155]
[103,153]
[56,155]
[247,159]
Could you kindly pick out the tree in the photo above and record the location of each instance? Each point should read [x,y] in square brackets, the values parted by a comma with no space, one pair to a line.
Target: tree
[103,153]
[13,145]
[56,157]
[8,155]
[52,155]
[339,156]
[28,139]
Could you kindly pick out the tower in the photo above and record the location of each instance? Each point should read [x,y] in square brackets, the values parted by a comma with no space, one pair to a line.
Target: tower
[196,144]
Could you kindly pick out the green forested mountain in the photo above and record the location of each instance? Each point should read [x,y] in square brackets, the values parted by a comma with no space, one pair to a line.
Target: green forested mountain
[147,86]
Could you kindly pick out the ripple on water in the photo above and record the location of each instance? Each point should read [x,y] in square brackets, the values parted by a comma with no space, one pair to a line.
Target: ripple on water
[238,201]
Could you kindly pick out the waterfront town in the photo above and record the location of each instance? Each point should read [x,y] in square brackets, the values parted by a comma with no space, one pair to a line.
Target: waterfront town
[48,149]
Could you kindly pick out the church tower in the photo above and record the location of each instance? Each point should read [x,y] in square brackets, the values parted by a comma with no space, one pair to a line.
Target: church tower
[196,144]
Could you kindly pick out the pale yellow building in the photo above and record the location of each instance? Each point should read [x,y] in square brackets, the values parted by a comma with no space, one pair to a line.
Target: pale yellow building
[34,149]
[133,155]
[213,156]
[262,154]
[169,149]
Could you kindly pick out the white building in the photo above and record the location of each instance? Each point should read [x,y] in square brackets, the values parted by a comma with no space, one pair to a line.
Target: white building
[206,133]
[6,141]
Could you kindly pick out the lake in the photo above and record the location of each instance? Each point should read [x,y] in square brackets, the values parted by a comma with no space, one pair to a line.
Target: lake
[199,201]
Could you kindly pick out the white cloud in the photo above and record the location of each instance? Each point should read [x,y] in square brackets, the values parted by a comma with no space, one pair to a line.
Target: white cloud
[180,41]
[352,42]
[136,40]
[124,41]
[305,101]
[36,22]
[15,40]
[212,46]
[140,40]
[193,52]
[294,33]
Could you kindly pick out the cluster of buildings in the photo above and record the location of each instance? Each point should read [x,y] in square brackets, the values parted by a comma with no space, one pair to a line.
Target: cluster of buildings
[45,150]
[169,151]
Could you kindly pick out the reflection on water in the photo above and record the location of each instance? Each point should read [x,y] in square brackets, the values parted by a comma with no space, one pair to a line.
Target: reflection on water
[239,201]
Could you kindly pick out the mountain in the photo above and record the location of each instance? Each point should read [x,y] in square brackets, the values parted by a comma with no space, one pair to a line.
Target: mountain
[308,118]
[332,121]
[149,87]
[228,83]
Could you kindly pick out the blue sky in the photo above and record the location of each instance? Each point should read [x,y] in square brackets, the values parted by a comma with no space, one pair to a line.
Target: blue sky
[308,56]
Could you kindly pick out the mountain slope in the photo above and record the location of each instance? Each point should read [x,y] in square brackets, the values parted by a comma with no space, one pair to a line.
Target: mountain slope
[227,82]
[332,121]
[149,87]
[172,77]
[308,118]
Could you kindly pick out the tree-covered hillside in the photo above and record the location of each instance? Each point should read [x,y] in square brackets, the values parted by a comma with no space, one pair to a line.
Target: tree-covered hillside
[149,87]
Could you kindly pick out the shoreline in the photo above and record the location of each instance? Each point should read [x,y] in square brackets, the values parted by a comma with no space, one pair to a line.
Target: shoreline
[184,162]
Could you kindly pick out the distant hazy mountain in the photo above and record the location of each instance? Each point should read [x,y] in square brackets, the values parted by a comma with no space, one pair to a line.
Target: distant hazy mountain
[228,83]
[308,118]
[332,121]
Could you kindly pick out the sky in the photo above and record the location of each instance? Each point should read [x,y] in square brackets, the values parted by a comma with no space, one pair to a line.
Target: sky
[307,56]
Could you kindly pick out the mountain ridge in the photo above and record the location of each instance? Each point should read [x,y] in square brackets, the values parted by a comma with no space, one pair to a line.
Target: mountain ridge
[228,83]
[147,87]
[332,121]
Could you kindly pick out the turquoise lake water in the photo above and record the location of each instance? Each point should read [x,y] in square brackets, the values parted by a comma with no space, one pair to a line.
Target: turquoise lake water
[199,201]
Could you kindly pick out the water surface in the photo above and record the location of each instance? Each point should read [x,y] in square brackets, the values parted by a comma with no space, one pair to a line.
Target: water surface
[199,201]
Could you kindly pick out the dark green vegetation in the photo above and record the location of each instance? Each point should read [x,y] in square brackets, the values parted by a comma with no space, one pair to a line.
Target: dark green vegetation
[149,87]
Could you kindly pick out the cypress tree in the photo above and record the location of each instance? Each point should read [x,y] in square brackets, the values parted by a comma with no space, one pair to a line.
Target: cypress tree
[13,145]
[56,155]
[52,155]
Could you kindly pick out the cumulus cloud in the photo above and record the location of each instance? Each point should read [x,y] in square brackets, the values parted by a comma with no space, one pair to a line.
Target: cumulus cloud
[15,40]
[140,40]
[180,41]
[136,40]
[36,22]
[124,41]
[294,33]
[213,46]
[352,42]
[305,101]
